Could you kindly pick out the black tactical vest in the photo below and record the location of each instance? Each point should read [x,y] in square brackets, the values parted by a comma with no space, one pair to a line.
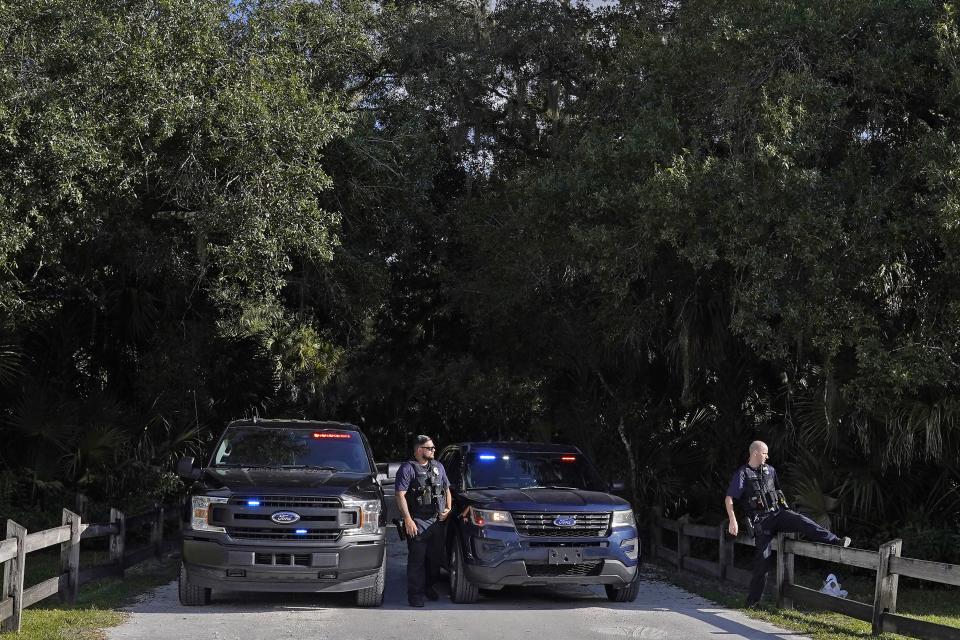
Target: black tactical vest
[760,494]
[426,492]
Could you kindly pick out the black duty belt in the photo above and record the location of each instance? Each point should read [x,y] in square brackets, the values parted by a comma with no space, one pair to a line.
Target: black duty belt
[764,512]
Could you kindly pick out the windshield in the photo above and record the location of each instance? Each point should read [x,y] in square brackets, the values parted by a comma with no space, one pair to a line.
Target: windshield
[292,448]
[509,470]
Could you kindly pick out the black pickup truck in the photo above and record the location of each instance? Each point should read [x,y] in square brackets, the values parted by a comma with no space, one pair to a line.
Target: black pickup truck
[284,505]
[536,514]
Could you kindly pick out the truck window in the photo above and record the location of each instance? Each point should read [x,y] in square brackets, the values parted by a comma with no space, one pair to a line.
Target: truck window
[292,448]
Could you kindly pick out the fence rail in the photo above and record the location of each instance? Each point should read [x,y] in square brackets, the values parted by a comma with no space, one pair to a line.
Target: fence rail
[18,543]
[886,562]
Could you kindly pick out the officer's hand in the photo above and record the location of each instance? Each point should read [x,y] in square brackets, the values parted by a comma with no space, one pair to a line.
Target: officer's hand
[410,526]
[732,528]
[443,514]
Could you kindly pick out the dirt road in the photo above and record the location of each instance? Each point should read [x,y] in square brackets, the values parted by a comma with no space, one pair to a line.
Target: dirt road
[661,611]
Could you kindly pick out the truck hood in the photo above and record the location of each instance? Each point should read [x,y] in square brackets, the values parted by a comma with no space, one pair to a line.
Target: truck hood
[288,481]
[575,500]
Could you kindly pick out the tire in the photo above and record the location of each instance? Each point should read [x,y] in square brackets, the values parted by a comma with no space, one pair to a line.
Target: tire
[624,594]
[373,596]
[462,591]
[192,595]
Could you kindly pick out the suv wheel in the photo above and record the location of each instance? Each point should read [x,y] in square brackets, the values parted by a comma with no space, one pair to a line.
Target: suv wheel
[192,595]
[461,590]
[373,596]
[624,594]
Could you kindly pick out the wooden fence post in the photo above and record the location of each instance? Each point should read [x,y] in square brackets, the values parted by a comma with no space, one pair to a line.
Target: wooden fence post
[726,550]
[784,569]
[70,557]
[156,534]
[885,591]
[683,541]
[656,533]
[118,539]
[13,577]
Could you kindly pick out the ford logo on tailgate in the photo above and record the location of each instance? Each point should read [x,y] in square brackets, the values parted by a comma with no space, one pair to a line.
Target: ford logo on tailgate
[285,517]
[565,521]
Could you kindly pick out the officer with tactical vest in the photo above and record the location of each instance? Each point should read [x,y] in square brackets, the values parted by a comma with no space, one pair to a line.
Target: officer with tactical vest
[424,500]
[757,487]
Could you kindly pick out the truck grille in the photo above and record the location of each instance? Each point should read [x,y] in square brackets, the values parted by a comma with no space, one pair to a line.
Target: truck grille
[255,533]
[591,568]
[541,524]
[282,559]
[290,502]
[265,517]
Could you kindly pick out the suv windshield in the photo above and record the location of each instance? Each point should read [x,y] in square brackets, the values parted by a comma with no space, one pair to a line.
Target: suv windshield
[510,470]
[292,448]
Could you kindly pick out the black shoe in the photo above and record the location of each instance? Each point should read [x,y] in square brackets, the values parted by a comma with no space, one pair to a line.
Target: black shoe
[415,603]
[431,594]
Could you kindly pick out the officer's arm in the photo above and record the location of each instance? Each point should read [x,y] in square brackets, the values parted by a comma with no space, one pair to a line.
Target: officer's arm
[449,501]
[401,498]
[732,527]
[409,525]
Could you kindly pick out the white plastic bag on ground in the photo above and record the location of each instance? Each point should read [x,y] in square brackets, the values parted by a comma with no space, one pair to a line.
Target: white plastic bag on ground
[831,587]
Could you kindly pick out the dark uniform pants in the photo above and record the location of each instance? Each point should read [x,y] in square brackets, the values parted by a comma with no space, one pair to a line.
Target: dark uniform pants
[424,557]
[783,521]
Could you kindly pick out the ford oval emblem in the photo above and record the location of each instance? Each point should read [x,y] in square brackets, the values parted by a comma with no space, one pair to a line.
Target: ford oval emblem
[285,517]
[565,521]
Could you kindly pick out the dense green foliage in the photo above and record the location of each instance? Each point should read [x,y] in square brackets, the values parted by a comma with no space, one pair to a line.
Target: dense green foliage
[657,230]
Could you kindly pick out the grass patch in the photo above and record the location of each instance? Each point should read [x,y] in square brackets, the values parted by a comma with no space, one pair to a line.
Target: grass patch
[96,604]
[941,606]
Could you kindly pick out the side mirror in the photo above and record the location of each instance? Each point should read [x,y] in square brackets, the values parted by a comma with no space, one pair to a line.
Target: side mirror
[186,469]
[392,469]
[618,485]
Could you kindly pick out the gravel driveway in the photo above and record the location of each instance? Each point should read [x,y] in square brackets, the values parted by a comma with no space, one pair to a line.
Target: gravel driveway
[661,611]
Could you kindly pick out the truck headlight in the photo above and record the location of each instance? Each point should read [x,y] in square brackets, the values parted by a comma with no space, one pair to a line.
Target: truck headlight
[481,517]
[200,518]
[623,519]
[368,517]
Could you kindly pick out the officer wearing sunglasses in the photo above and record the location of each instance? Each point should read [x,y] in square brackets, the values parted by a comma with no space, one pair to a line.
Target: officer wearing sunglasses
[424,500]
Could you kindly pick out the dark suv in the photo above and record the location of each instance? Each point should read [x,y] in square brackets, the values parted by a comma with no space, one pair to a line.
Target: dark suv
[536,514]
[284,505]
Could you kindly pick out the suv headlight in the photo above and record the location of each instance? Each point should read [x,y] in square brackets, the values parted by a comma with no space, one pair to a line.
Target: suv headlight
[481,517]
[368,517]
[200,519]
[623,519]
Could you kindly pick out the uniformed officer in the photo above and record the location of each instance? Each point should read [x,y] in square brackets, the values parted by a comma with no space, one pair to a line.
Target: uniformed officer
[423,497]
[756,485]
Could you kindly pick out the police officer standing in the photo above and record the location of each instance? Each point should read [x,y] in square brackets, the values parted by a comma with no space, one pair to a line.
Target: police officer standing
[424,500]
[756,485]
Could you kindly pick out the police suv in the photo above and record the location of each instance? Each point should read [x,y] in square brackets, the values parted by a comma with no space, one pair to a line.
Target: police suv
[284,505]
[536,514]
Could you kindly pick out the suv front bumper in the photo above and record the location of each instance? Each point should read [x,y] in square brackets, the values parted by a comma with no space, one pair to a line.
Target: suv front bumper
[498,557]
[344,566]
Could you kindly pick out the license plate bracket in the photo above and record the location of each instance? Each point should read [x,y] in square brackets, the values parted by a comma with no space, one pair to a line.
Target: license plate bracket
[564,555]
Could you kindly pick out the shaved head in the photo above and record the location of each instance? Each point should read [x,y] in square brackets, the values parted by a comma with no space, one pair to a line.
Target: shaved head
[759,452]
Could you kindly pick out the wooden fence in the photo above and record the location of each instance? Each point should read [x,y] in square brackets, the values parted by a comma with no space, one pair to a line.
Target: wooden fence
[18,543]
[886,562]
